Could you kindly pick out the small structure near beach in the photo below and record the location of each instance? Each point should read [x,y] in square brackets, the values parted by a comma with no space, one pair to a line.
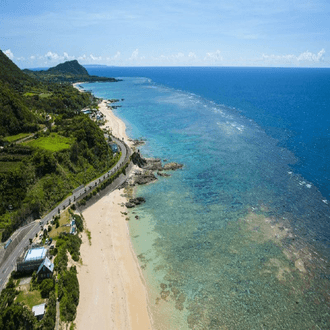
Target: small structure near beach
[31,259]
[45,270]
[39,311]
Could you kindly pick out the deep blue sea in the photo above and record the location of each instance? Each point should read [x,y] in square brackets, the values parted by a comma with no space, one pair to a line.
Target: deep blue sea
[239,238]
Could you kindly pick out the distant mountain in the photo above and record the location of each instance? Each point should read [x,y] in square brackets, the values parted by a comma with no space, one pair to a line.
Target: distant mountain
[72,67]
[70,72]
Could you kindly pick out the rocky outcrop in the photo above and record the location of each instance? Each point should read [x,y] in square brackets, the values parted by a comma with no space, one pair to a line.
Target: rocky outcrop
[144,178]
[172,166]
[153,164]
[163,174]
[135,201]
[147,166]
[138,160]
[137,142]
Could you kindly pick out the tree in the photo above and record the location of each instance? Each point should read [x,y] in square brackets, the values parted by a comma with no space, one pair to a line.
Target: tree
[46,286]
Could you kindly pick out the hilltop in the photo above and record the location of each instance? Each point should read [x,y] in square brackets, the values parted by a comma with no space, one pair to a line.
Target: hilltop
[72,67]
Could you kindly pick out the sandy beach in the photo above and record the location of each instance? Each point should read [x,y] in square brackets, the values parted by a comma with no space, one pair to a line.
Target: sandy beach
[112,290]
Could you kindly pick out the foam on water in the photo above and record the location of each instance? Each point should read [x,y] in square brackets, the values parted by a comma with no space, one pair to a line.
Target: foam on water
[235,240]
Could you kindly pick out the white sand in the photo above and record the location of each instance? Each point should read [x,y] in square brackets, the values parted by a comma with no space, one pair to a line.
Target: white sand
[112,290]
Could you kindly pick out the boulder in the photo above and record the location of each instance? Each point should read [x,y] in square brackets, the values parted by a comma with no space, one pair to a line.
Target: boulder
[153,164]
[172,166]
[144,178]
[129,205]
[163,174]
[138,160]
[135,201]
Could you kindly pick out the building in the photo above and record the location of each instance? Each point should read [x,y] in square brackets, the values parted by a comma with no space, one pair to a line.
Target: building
[113,147]
[31,259]
[46,269]
[39,311]
[73,228]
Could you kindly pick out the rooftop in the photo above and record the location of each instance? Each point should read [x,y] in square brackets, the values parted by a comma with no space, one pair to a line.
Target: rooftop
[48,264]
[39,310]
[35,254]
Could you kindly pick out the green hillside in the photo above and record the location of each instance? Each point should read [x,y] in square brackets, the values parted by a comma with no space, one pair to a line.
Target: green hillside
[12,75]
[48,148]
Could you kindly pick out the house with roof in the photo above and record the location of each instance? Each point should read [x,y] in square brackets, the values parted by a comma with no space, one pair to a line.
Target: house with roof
[31,260]
[45,270]
[39,311]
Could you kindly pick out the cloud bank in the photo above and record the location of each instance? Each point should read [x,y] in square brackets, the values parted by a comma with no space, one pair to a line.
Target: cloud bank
[306,57]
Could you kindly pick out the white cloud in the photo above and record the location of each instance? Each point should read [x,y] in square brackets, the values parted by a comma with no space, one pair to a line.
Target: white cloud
[82,58]
[179,55]
[67,57]
[214,57]
[306,57]
[86,59]
[32,57]
[9,53]
[50,56]
[95,58]
[192,55]
[116,56]
[134,55]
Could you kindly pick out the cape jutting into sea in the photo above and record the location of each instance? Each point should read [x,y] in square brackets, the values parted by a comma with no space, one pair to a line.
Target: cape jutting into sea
[239,238]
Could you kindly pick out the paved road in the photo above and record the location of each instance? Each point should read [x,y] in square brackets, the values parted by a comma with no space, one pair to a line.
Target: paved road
[10,264]
[57,319]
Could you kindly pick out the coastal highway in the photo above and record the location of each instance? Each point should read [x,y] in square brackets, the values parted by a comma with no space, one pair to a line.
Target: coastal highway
[34,227]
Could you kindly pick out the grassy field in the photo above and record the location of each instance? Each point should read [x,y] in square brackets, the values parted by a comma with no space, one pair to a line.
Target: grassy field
[30,298]
[53,142]
[17,137]
[64,220]
[41,95]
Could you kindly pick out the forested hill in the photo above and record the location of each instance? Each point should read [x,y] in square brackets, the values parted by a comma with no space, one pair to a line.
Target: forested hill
[25,101]
[12,75]
[72,67]
[62,148]
[67,72]
[15,116]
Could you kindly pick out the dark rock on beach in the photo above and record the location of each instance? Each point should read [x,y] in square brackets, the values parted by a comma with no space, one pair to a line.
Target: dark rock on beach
[138,160]
[153,164]
[144,178]
[135,201]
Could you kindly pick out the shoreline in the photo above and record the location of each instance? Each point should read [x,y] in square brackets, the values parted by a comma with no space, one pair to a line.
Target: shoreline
[113,293]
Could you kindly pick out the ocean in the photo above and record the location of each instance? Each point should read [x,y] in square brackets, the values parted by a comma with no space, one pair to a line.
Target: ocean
[239,238]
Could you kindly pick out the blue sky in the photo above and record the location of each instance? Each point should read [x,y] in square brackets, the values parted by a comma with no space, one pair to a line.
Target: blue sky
[167,33]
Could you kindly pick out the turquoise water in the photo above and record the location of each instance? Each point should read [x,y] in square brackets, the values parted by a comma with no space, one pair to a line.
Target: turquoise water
[237,239]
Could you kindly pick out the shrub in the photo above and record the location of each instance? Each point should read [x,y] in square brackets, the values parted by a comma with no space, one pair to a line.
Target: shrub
[46,286]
